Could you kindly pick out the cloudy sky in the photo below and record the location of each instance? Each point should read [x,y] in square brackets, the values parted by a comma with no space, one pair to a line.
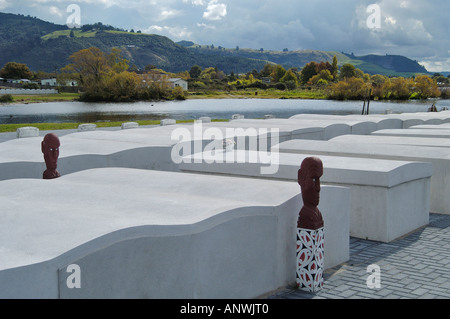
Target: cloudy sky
[418,29]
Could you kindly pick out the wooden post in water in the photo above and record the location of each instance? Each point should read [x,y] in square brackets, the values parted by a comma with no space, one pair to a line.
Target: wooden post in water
[364,110]
[364,105]
[368,100]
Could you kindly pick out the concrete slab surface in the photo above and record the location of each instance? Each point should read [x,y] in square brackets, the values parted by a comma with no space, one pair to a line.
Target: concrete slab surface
[128,228]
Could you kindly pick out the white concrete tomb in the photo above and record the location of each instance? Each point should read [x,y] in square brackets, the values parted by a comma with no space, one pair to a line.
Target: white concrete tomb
[439,157]
[147,234]
[388,199]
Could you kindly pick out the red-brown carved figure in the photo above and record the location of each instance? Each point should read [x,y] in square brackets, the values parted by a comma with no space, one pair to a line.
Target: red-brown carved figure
[309,175]
[50,148]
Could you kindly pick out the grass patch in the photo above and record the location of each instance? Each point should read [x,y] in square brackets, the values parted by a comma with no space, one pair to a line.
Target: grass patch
[39,98]
[4,128]
[125,32]
[258,93]
[193,94]
[66,33]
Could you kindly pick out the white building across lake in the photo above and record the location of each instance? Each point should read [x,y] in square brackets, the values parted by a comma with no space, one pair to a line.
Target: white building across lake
[53,82]
[178,82]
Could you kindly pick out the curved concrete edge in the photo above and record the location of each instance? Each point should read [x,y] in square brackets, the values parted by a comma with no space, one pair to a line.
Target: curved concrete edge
[389,123]
[232,258]
[398,140]
[443,126]
[151,157]
[243,252]
[114,257]
[337,169]
[304,129]
[363,128]
[377,120]
[430,133]
[388,174]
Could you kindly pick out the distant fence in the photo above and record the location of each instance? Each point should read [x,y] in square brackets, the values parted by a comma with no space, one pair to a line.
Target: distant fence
[28,91]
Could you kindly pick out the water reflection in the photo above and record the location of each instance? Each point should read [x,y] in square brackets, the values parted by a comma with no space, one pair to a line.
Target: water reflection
[193,109]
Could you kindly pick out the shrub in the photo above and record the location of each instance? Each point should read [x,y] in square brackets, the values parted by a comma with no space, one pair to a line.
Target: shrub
[198,84]
[178,93]
[426,87]
[6,98]
[290,85]
[31,86]
[257,85]
[415,96]
[348,89]
[322,82]
[401,88]
[280,86]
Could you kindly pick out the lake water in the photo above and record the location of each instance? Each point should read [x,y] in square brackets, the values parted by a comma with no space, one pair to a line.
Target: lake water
[59,112]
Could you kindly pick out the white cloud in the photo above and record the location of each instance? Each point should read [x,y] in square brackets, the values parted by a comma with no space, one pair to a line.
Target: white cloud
[390,20]
[168,13]
[417,29]
[215,11]
[205,26]
[154,28]
[174,33]
[55,11]
[434,64]
[4,4]
[404,4]
[195,2]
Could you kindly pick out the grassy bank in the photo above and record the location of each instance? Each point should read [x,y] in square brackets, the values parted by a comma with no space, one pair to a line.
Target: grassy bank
[40,98]
[193,94]
[4,128]
[257,93]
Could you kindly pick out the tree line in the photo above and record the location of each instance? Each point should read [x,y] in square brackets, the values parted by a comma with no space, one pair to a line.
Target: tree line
[109,77]
[101,77]
[340,83]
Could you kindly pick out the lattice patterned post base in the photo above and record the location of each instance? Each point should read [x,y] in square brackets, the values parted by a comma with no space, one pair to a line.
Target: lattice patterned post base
[310,262]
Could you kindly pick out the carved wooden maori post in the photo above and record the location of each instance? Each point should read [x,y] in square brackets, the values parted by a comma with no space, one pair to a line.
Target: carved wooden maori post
[310,256]
[50,149]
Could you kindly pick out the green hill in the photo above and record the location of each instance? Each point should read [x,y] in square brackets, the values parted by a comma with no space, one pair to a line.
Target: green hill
[46,46]
[388,65]
[394,64]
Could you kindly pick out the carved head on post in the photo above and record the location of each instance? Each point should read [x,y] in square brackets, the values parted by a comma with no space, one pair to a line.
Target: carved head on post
[50,149]
[309,175]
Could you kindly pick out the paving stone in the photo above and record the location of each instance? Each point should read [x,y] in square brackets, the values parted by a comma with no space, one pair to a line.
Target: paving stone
[419,291]
[428,296]
[392,296]
[347,293]
[412,267]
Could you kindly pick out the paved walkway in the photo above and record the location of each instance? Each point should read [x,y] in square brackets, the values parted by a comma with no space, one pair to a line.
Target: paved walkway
[415,266]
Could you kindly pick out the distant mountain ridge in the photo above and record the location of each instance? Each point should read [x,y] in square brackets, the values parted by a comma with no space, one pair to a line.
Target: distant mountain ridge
[396,63]
[47,46]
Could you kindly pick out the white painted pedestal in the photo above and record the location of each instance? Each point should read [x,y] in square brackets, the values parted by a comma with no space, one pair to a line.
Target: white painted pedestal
[310,259]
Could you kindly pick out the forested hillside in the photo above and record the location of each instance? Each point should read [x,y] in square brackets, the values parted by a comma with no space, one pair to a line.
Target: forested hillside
[46,47]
